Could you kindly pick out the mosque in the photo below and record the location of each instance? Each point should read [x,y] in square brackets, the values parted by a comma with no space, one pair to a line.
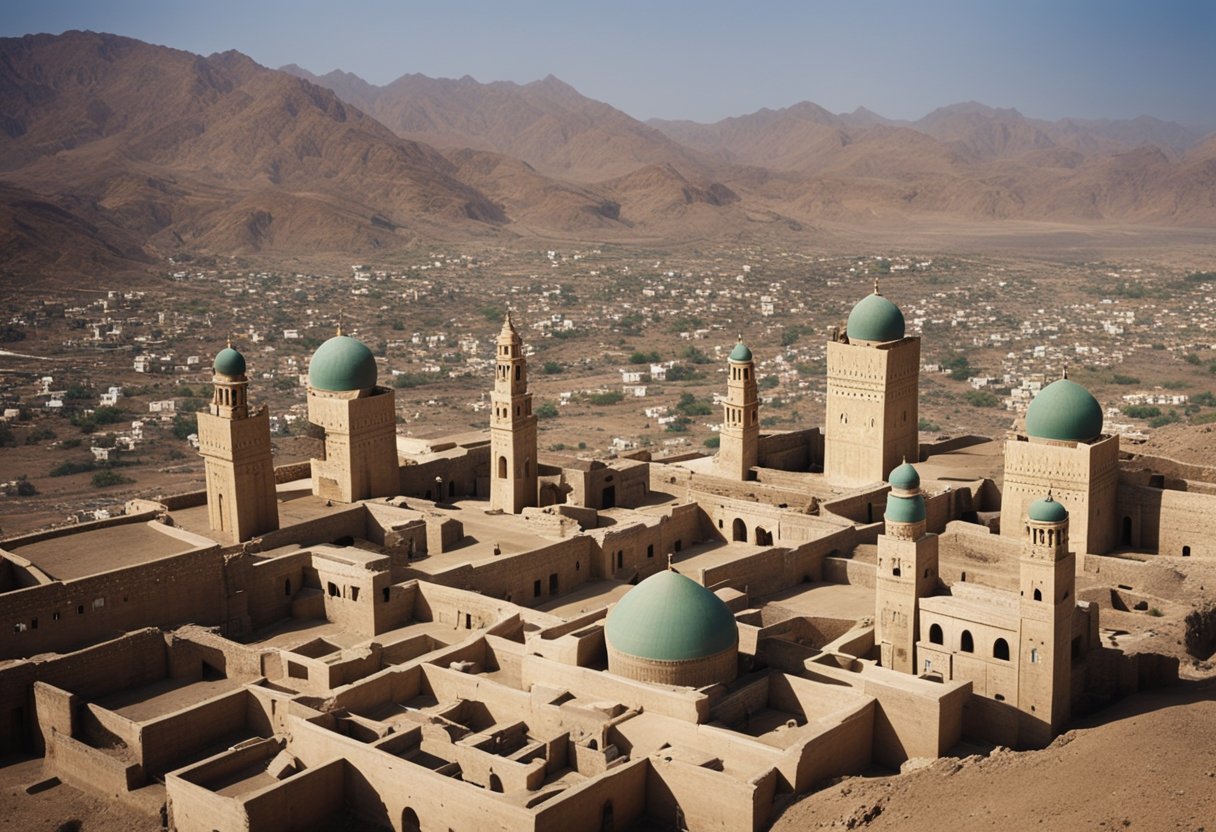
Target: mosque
[466,633]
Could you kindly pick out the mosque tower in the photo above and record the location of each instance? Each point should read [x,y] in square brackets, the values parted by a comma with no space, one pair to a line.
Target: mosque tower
[360,422]
[740,433]
[906,571]
[235,447]
[873,379]
[513,481]
[1047,583]
[1063,450]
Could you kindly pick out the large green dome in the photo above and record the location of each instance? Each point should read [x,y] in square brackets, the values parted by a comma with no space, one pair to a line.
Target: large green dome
[1064,410]
[1047,510]
[342,364]
[875,318]
[904,477]
[229,362]
[904,509]
[740,352]
[671,618]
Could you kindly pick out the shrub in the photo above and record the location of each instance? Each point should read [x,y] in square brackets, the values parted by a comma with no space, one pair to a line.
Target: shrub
[547,410]
[611,397]
[107,477]
[981,398]
[712,442]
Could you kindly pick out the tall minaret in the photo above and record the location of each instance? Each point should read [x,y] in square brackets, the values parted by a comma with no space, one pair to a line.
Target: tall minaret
[235,447]
[512,427]
[740,433]
[1046,612]
[906,572]
[873,375]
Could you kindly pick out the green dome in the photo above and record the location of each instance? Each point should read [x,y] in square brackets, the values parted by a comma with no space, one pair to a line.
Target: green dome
[342,364]
[904,477]
[740,352]
[1047,510]
[905,509]
[1064,410]
[229,362]
[875,318]
[670,618]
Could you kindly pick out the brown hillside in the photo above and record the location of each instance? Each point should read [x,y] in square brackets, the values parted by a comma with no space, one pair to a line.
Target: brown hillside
[217,153]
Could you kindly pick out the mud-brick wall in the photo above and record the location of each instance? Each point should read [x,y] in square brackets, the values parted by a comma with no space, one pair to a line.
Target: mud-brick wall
[132,660]
[302,801]
[1178,523]
[618,795]
[166,742]
[187,588]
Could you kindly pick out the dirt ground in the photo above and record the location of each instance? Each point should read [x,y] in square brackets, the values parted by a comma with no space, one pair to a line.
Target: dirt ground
[1148,762]
[60,808]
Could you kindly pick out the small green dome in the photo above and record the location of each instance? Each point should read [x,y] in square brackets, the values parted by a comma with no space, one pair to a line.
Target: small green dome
[1064,410]
[905,509]
[904,477]
[740,352]
[875,318]
[229,362]
[342,364]
[671,618]
[1047,510]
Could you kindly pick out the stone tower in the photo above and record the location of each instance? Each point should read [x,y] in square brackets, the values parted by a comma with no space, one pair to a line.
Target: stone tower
[1064,451]
[873,376]
[906,572]
[740,434]
[235,446]
[513,484]
[1046,611]
[360,422]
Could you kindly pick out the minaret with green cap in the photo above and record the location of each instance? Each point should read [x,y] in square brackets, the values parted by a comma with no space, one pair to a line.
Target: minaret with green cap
[739,435]
[1047,582]
[235,446]
[906,571]
[873,370]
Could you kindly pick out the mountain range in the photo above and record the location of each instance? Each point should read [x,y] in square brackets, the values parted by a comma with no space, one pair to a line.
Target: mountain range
[115,154]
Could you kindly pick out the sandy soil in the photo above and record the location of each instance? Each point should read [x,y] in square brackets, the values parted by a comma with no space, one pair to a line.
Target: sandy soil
[1151,766]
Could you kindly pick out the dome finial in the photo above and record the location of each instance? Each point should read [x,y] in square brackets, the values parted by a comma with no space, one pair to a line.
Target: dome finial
[876,286]
[229,342]
[1065,373]
[670,557]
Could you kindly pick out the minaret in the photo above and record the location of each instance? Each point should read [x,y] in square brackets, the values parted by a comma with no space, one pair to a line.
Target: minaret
[873,376]
[740,433]
[906,572]
[235,447]
[513,483]
[360,423]
[1046,611]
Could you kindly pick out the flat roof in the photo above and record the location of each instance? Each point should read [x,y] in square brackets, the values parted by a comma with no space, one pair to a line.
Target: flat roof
[95,550]
[166,696]
[826,600]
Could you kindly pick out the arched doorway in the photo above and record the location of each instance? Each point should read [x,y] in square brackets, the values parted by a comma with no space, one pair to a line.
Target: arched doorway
[738,530]
[1000,650]
[502,467]
[409,821]
[967,644]
[763,537]
[935,634]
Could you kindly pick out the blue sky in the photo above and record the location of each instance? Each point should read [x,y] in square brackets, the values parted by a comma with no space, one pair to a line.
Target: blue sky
[710,59]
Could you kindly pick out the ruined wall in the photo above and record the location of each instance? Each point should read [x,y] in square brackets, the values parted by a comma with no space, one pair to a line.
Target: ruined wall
[181,589]
[1166,521]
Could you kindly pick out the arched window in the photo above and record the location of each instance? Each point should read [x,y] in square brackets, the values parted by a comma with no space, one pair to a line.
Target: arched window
[1038,595]
[967,645]
[935,634]
[1000,650]
[502,467]
[738,530]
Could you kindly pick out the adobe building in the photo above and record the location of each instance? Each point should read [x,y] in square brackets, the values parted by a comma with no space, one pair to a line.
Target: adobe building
[873,379]
[360,423]
[424,644]
[1063,450]
[235,445]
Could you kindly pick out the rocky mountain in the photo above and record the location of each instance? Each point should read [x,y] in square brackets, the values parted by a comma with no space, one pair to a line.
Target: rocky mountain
[116,153]
[547,123]
[217,153]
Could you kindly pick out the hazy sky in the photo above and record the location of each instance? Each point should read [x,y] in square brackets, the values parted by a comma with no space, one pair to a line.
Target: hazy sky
[709,59]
